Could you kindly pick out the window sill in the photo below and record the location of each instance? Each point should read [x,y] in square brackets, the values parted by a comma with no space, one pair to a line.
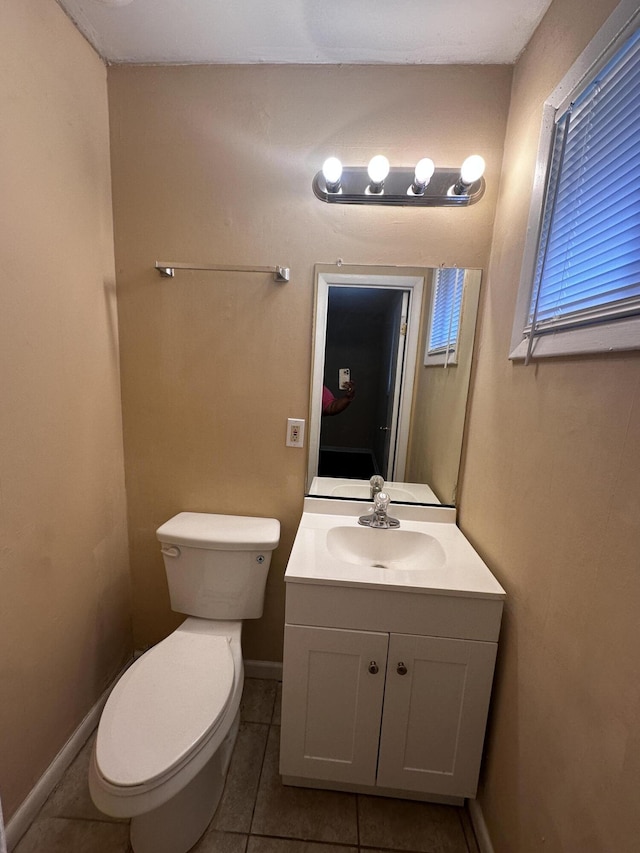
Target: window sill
[440,360]
[617,336]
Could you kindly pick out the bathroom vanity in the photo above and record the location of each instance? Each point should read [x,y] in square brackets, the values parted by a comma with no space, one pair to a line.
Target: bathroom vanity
[390,645]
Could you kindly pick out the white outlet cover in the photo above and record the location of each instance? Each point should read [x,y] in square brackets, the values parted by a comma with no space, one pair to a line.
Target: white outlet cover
[295,432]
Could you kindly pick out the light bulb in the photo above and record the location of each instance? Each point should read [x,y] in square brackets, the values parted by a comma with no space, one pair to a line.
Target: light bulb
[378,170]
[424,170]
[472,169]
[332,171]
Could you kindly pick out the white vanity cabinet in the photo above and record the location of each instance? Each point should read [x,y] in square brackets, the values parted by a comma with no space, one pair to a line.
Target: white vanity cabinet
[386,691]
[333,704]
[434,714]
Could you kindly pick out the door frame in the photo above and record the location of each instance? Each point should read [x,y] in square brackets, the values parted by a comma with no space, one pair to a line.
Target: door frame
[414,284]
[391,429]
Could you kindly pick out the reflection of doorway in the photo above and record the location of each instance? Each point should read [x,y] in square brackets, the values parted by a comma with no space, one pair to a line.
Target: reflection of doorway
[365,332]
[399,376]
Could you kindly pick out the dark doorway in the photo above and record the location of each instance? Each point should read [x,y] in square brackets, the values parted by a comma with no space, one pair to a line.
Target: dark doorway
[364,333]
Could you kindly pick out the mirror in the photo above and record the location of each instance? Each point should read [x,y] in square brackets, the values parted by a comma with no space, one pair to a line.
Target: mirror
[391,366]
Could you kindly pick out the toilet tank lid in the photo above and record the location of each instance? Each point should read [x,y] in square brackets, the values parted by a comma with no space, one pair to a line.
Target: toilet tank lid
[221,532]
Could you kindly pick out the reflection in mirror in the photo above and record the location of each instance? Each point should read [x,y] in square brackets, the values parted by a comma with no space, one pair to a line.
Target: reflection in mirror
[338,487]
[381,402]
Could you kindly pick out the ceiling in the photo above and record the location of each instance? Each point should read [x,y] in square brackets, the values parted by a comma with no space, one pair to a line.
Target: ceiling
[398,32]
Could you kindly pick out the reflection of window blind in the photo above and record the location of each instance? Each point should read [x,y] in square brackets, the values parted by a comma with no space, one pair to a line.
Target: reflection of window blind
[589,257]
[445,311]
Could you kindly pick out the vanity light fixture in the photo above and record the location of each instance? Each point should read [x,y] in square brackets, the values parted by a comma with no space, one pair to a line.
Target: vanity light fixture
[422,185]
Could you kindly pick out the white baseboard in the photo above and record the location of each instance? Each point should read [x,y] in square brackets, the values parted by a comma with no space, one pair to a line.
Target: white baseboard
[26,814]
[263,669]
[480,827]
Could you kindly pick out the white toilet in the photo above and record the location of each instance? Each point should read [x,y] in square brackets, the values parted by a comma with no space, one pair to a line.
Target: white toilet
[167,731]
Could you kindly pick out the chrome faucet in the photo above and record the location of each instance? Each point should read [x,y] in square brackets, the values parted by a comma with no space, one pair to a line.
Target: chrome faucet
[378,517]
[377,485]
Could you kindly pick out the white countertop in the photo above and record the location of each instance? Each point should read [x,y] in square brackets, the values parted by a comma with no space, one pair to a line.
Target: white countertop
[463,573]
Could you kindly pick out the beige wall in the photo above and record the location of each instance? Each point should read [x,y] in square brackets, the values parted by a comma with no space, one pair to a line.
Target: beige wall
[64,586]
[215,164]
[551,498]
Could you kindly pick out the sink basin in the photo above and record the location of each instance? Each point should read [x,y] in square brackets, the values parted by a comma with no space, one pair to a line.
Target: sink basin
[385,549]
[357,491]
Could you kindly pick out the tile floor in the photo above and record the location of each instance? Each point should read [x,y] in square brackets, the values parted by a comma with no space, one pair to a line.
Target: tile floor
[257,813]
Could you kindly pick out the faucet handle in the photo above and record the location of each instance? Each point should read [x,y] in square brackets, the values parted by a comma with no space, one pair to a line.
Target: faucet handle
[381,502]
[377,481]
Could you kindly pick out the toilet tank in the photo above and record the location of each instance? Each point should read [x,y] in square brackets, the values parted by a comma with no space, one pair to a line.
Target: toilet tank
[217,565]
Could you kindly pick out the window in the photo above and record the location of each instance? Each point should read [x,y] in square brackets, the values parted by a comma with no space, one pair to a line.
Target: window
[444,316]
[585,266]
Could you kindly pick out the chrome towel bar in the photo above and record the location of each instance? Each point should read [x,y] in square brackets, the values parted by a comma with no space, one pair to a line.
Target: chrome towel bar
[167,269]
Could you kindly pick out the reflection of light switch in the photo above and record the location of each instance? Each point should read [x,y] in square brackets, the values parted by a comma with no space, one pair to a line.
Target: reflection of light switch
[295,432]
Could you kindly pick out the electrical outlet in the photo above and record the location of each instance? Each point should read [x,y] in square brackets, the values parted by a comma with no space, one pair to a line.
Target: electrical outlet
[295,432]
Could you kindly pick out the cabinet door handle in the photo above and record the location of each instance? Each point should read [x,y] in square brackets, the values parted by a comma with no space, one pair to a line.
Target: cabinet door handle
[373,667]
[401,669]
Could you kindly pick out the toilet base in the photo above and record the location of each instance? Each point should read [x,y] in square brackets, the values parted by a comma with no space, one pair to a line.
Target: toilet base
[175,826]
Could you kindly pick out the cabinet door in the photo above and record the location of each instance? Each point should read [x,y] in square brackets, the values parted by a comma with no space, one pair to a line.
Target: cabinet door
[332,703]
[435,714]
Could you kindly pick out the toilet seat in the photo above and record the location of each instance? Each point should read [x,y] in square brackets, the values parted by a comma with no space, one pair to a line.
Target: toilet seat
[164,707]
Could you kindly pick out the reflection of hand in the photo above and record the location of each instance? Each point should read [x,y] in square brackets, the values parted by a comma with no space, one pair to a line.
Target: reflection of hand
[334,405]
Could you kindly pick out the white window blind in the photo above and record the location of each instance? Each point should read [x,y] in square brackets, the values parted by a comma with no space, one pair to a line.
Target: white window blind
[588,264]
[445,310]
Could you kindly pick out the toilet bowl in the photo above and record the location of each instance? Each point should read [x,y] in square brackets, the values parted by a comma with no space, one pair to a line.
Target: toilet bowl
[167,731]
